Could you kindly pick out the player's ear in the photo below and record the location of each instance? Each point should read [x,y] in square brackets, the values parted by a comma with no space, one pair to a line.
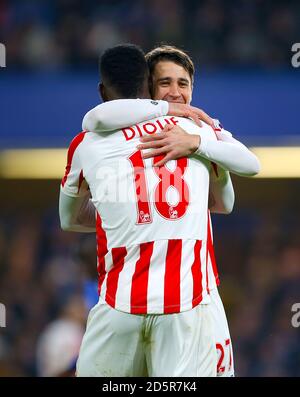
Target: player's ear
[101,89]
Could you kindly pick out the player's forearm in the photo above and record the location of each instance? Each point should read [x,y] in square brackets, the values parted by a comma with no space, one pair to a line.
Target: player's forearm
[77,214]
[221,193]
[231,155]
[121,113]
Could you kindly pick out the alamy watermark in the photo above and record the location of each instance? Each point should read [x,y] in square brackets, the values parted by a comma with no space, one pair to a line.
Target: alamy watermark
[2,55]
[2,316]
[296,57]
[296,317]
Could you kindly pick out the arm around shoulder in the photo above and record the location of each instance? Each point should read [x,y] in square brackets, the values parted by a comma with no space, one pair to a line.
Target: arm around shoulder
[121,113]
[230,154]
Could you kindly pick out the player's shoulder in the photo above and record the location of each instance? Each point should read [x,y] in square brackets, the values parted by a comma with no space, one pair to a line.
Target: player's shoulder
[78,139]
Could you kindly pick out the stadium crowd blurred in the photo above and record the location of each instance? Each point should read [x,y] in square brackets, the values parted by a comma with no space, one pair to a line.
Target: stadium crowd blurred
[218,33]
[43,272]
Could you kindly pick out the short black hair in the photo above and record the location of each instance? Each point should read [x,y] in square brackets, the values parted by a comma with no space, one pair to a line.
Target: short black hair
[124,68]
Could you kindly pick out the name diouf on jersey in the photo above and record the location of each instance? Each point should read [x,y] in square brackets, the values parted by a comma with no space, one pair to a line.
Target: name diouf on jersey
[115,186]
[118,185]
[146,128]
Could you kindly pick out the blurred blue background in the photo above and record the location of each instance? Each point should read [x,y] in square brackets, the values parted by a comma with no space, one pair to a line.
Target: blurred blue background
[258,107]
[242,53]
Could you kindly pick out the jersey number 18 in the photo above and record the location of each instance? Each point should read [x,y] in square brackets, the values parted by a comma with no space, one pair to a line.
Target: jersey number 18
[167,179]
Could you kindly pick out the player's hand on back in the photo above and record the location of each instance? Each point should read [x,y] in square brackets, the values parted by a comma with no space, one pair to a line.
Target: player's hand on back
[184,110]
[173,142]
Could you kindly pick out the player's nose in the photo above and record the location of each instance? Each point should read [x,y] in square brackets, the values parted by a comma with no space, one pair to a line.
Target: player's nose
[174,91]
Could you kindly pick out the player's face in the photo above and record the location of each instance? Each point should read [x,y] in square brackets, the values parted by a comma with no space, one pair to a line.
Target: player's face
[172,83]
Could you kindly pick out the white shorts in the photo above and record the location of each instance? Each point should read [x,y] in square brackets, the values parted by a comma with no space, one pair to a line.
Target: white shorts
[225,365]
[171,345]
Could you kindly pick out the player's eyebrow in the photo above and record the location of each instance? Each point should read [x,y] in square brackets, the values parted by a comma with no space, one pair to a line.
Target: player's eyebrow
[164,79]
[183,80]
[168,79]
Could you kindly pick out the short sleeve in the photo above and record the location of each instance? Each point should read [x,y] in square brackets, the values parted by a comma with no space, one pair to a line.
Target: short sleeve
[73,183]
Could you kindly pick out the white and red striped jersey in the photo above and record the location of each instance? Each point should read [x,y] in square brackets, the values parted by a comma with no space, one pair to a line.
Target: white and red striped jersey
[235,157]
[152,223]
[213,280]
